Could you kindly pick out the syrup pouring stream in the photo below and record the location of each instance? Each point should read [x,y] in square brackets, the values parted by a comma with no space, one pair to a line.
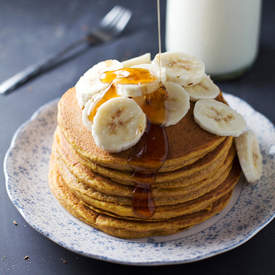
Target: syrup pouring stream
[153,148]
[150,153]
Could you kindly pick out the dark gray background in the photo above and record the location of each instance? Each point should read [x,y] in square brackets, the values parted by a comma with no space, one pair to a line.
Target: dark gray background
[29,31]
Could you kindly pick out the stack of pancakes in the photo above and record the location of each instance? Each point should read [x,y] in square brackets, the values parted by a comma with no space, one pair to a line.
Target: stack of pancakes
[193,184]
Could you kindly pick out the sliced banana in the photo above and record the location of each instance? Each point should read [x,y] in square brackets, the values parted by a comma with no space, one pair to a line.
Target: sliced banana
[250,156]
[143,88]
[206,89]
[104,66]
[142,59]
[89,106]
[218,118]
[118,124]
[87,88]
[177,103]
[181,68]
[89,84]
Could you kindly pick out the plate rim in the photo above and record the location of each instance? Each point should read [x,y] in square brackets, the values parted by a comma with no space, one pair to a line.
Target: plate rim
[51,237]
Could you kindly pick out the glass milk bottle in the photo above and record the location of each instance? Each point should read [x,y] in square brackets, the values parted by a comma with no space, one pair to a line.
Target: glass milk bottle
[223,33]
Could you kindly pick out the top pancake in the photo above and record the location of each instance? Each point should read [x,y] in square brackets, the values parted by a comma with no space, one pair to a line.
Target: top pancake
[186,139]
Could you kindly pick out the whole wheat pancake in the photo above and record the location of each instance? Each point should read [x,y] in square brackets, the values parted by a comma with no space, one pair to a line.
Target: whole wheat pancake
[122,207]
[163,197]
[186,175]
[98,184]
[162,213]
[106,186]
[126,228]
[193,143]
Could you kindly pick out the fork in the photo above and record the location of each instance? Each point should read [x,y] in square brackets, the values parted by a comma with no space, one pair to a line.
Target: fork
[111,25]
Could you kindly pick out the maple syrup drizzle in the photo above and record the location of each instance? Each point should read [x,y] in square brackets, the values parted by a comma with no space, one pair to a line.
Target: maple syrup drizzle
[152,149]
[110,93]
[153,146]
[153,105]
[128,76]
[159,33]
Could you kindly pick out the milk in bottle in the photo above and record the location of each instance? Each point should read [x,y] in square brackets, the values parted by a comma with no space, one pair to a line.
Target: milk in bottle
[223,33]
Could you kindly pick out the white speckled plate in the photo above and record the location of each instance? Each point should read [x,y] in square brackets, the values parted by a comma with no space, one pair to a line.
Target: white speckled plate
[26,168]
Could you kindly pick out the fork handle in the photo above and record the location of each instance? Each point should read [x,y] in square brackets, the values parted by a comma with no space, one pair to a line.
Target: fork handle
[34,70]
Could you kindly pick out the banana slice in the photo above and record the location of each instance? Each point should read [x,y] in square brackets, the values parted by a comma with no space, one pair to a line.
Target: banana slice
[250,156]
[177,103]
[144,86]
[218,118]
[104,66]
[118,124]
[89,84]
[142,59]
[89,106]
[181,68]
[87,88]
[206,89]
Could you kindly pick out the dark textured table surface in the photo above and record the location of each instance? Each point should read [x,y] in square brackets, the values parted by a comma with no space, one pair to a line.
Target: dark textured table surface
[29,31]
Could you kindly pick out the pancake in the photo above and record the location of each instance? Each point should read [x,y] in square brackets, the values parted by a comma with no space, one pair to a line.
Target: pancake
[166,198]
[125,228]
[186,175]
[120,206]
[194,141]
[106,188]
[194,182]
